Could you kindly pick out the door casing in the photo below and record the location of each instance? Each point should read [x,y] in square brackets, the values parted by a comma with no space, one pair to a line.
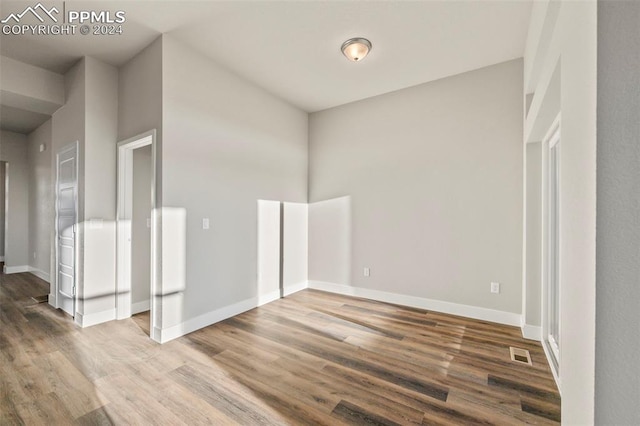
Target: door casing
[123,227]
[67,306]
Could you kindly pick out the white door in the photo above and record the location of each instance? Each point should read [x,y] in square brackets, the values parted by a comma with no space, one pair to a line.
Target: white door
[66,215]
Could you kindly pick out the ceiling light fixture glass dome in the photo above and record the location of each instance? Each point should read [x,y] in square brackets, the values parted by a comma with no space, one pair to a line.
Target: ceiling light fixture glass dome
[355,49]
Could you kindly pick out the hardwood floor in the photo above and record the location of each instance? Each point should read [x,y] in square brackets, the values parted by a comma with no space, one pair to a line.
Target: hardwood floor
[312,358]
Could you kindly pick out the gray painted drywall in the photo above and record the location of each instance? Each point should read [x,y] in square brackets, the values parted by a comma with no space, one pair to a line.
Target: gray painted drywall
[295,245]
[330,240]
[226,144]
[569,35]
[68,125]
[140,233]
[13,150]
[577,30]
[2,206]
[435,178]
[99,195]
[41,212]
[139,111]
[30,88]
[140,94]
[617,390]
[533,239]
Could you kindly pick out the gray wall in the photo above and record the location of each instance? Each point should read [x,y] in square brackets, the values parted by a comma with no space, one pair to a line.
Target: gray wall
[564,63]
[140,100]
[617,389]
[141,235]
[68,127]
[139,111]
[533,308]
[99,194]
[41,213]
[435,178]
[2,207]
[13,150]
[226,144]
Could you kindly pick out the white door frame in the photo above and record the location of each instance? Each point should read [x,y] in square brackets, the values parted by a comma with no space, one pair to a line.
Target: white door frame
[75,145]
[553,357]
[5,207]
[123,223]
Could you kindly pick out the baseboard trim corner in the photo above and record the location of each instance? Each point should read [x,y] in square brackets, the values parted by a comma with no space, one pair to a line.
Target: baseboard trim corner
[164,335]
[531,332]
[294,288]
[40,274]
[88,320]
[475,312]
[15,269]
[263,299]
[52,300]
[138,307]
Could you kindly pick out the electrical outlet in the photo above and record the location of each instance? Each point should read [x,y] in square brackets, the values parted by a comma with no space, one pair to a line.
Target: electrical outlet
[367,272]
[35,254]
[205,223]
[495,288]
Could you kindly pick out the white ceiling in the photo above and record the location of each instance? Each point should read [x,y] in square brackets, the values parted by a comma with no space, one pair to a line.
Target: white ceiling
[291,48]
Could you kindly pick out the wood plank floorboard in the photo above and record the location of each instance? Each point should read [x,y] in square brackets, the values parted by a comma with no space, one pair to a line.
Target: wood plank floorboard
[313,358]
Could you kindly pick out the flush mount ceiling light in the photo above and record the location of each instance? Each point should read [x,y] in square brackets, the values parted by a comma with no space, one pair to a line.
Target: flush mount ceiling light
[355,49]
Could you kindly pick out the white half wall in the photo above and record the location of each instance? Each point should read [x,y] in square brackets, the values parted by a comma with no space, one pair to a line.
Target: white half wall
[330,241]
[295,250]
[269,239]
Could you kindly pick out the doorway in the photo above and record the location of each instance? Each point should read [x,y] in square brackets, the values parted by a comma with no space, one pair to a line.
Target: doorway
[66,208]
[141,231]
[136,231]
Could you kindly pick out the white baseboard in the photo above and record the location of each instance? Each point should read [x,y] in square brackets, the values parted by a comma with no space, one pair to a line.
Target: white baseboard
[169,333]
[40,274]
[275,295]
[87,320]
[138,307]
[263,299]
[484,314]
[294,288]
[156,334]
[554,372]
[164,335]
[531,332]
[15,269]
